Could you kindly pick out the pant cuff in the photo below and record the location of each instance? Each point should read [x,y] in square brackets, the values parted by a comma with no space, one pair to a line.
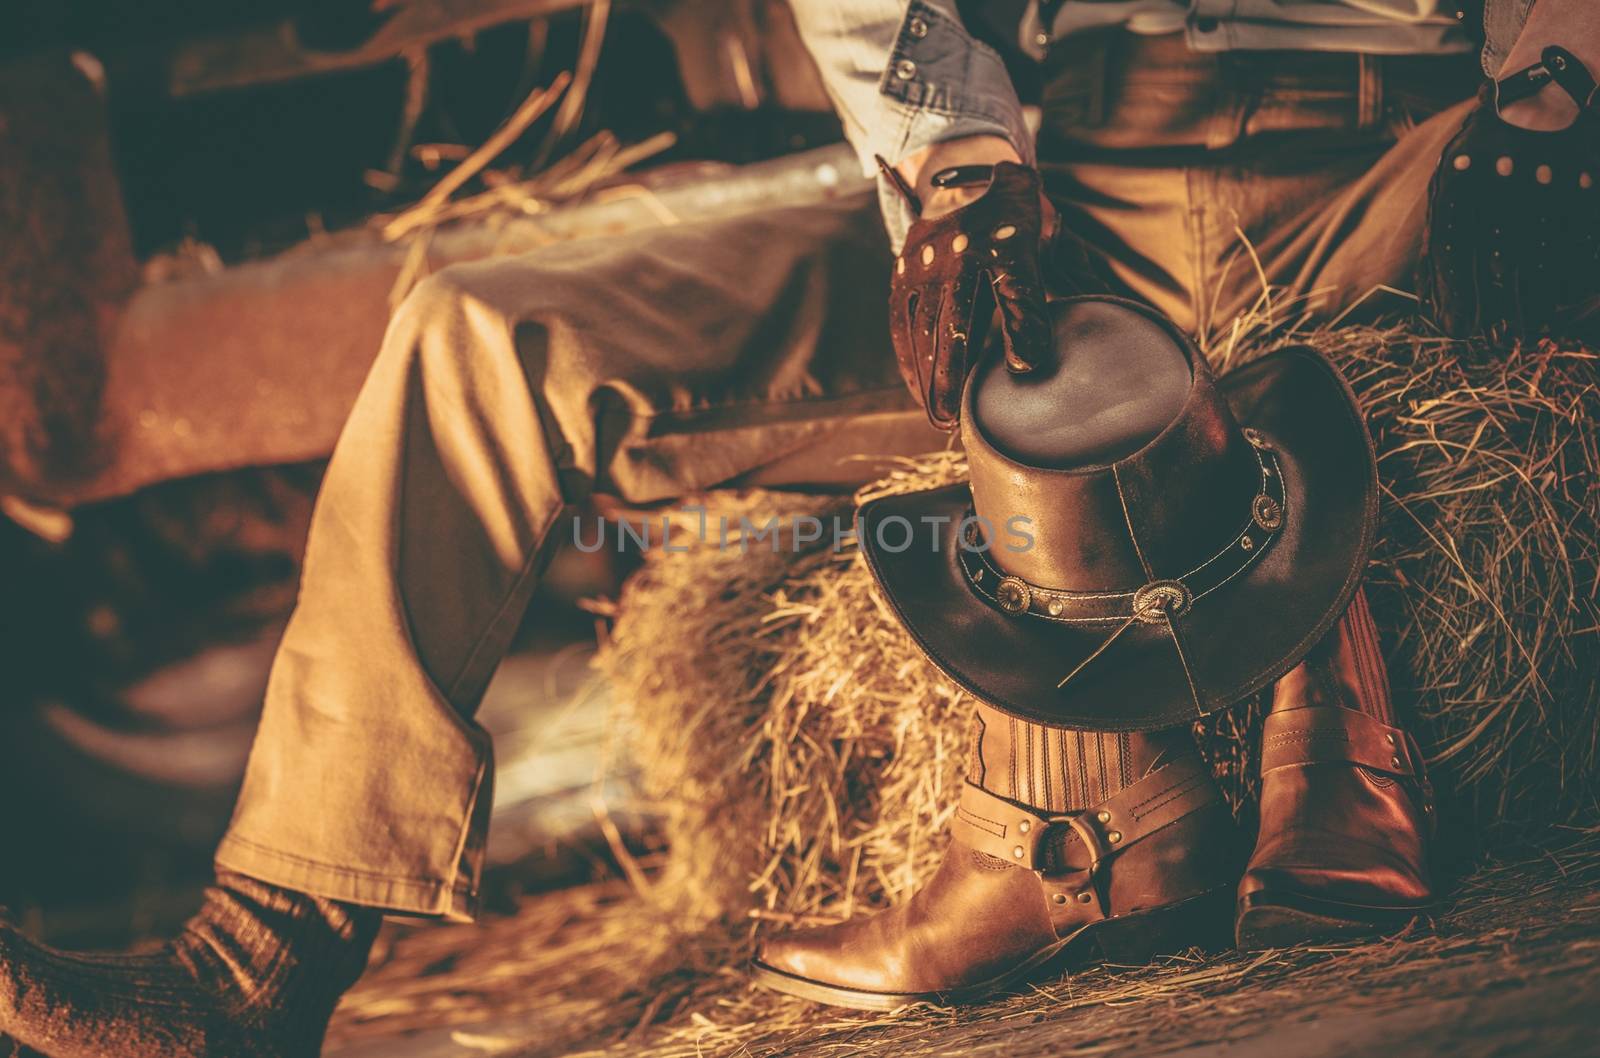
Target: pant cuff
[456,900]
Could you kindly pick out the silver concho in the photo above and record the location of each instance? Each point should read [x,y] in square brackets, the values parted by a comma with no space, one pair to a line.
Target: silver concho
[1161,600]
[1013,595]
[1266,512]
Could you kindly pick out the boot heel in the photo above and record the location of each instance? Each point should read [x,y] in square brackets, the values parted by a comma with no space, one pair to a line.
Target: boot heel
[1204,921]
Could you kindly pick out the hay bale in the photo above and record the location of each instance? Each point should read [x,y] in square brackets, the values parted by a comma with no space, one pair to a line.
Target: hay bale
[807,757]
[775,709]
[1487,569]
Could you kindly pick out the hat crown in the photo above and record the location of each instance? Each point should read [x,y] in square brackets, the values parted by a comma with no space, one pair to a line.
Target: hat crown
[1172,495]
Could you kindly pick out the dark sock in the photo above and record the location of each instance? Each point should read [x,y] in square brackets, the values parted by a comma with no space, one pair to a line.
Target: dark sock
[255,974]
[1063,769]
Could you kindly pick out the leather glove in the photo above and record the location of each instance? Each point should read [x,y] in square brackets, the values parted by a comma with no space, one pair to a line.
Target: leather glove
[961,271]
[1513,238]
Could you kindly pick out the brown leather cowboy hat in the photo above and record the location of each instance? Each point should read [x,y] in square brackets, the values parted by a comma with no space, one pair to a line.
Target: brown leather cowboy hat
[1141,543]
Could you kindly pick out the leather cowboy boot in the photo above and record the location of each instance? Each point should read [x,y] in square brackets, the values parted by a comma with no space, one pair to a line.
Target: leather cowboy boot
[1068,847]
[1346,808]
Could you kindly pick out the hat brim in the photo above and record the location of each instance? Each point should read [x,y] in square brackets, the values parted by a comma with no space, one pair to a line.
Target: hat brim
[1228,645]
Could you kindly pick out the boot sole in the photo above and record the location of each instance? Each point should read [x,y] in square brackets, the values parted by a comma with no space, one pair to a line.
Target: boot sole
[1127,940]
[1268,919]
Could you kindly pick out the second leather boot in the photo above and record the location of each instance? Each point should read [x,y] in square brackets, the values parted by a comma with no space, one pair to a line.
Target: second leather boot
[1346,808]
[1069,847]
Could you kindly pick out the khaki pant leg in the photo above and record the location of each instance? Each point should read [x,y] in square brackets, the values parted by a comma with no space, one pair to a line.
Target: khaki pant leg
[1367,239]
[1202,242]
[646,366]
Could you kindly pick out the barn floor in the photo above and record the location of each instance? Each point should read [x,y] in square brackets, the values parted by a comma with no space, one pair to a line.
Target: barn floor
[1511,966]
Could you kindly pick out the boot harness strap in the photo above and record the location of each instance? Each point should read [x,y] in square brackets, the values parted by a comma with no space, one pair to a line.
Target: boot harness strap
[1046,843]
[1333,734]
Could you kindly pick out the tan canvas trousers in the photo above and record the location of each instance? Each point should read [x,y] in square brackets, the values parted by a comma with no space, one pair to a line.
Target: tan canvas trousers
[741,351]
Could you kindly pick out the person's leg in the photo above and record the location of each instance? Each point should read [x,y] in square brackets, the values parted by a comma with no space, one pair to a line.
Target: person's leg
[1349,252]
[1172,164]
[647,366]
[1205,243]
[1201,182]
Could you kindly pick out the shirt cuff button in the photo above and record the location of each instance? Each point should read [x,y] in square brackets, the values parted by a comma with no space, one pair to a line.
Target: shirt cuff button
[918,28]
[905,69]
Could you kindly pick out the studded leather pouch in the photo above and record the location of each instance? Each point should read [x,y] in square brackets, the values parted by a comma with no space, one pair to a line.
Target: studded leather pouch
[1513,236]
[963,271]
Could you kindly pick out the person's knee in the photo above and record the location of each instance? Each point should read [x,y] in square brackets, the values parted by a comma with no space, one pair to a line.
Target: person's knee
[471,337]
[446,329]
[432,314]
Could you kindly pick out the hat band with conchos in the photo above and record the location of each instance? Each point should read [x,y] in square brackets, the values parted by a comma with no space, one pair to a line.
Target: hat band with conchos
[1185,551]
[1153,603]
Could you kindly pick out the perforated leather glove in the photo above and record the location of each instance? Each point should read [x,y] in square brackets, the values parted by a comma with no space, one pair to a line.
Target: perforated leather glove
[1513,237]
[959,272]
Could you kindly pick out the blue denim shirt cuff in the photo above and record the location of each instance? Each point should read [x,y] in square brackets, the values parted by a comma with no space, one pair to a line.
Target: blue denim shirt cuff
[948,86]
[1502,25]
[897,215]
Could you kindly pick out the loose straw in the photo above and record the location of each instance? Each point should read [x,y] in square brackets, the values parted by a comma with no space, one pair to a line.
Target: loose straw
[538,102]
